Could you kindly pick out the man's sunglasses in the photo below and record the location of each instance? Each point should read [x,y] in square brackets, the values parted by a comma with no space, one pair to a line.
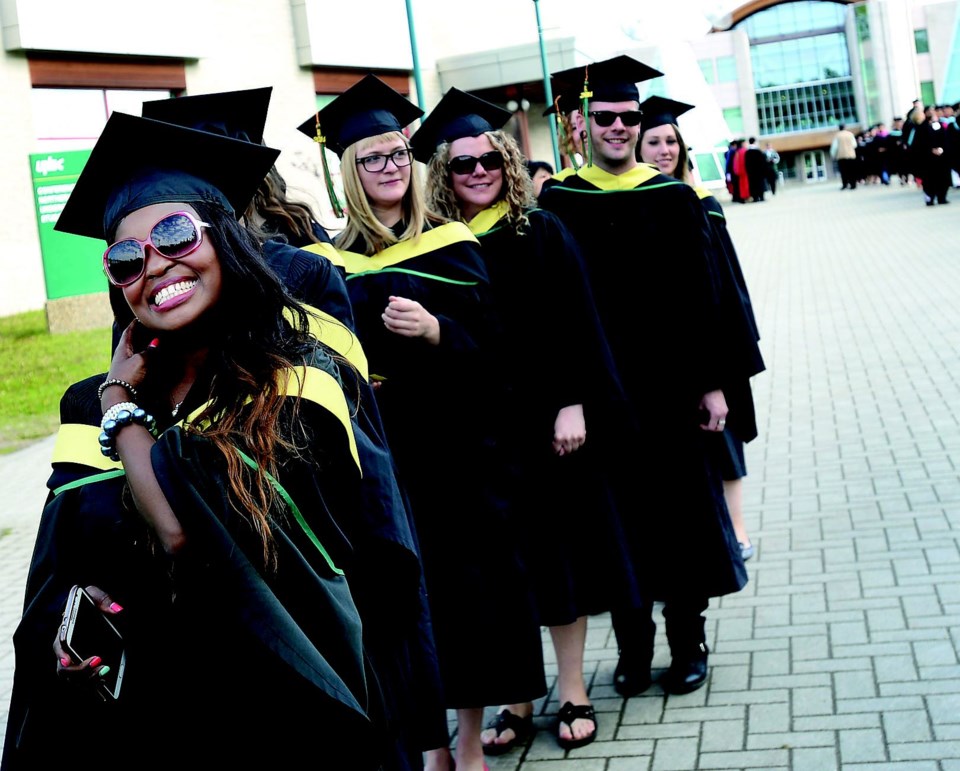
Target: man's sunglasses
[466,164]
[174,236]
[606,118]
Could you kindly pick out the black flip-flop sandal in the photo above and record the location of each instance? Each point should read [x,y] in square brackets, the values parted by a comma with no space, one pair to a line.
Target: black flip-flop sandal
[570,712]
[522,728]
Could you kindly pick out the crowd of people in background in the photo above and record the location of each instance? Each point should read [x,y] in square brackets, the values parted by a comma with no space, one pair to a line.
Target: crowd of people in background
[750,170]
[921,148]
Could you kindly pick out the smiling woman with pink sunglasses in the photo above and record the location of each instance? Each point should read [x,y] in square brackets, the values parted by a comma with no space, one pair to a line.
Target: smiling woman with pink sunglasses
[208,493]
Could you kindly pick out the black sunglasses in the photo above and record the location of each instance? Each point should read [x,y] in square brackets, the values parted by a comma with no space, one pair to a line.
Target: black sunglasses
[605,118]
[174,236]
[465,164]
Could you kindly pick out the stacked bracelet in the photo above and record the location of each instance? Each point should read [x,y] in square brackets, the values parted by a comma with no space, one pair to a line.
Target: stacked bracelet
[112,412]
[114,381]
[120,416]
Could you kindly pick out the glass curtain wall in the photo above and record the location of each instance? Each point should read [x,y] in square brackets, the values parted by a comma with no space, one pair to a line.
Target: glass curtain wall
[801,67]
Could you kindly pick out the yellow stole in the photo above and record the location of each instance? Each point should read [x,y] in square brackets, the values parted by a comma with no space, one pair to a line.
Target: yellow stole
[486,219]
[326,250]
[430,241]
[637,176]
[79,443]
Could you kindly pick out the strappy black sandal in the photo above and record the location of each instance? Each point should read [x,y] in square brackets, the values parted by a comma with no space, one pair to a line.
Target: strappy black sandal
[522,728]
[570,712]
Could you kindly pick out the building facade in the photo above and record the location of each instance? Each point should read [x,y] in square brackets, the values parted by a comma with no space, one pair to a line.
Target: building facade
[790,72]
[785,71]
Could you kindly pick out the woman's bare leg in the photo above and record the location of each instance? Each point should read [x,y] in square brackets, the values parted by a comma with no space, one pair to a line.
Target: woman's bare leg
[733,493]
[568,643]
[469,748]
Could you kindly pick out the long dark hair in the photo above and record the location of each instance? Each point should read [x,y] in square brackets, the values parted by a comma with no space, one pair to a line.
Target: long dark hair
[280,215]
[257,331]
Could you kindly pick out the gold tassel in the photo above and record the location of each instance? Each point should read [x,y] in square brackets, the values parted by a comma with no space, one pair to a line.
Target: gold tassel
[585,96]
[321,140]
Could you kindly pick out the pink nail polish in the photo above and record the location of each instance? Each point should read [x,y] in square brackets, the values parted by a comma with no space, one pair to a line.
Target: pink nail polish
[95,661]
[66,661]
[116,607]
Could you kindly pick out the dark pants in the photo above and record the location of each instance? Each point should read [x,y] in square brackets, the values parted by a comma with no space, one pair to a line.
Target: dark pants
[848,172]
[635,628]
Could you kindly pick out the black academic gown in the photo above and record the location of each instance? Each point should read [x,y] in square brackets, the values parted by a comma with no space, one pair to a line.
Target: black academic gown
[434,401]
[756,163]
[399,635]
[404,655]
[933,170]
[648,250]
[228,662]
[554,353]
[741,336]
[311,278]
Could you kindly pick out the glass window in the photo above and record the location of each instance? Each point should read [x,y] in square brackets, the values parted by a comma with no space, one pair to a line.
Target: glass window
[801,66]
[927,94]
[706,67]
[821,57]
[72,118]
[734,118]
[793,17]
[805,107]
[920,41]
[726,69]
[708,167]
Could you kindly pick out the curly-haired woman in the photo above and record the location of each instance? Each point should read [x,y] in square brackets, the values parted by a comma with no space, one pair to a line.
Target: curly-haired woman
[556,361]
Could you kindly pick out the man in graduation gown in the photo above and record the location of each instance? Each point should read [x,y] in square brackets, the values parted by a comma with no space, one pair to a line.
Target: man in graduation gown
[647,246]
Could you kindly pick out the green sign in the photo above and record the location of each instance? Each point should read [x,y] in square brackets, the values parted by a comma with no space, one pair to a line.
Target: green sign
[71,264]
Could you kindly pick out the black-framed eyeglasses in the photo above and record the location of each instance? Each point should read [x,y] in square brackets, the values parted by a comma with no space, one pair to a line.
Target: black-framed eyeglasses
[466,164]
[605,118]
[374,163]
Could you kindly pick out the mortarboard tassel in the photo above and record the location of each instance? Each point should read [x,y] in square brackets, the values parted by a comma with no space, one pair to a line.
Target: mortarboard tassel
[321,140]
[585,97]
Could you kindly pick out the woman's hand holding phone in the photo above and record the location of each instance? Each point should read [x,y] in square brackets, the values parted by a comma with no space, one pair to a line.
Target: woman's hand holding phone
[84,631]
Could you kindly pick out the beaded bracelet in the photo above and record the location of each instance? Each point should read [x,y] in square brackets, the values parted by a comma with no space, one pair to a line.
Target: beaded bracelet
[111,413]
[115,381]
[123,418]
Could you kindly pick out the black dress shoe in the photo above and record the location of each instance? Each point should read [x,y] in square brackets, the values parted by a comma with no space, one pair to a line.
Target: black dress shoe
[631,677]
[687,673]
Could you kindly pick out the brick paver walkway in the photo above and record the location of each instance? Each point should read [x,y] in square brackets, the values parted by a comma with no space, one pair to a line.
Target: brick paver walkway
[842,652]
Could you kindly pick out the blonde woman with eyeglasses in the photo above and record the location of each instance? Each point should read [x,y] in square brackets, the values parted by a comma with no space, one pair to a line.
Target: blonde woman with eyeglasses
[420,296]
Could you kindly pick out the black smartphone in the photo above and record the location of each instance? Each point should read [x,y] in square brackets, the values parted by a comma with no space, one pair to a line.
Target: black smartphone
[87,632]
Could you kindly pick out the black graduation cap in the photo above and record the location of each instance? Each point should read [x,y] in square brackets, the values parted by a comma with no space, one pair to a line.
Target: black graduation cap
[138,162]
[658,111]
[366,109]
[237,114]
[457,115]
[566,85]
[611,80]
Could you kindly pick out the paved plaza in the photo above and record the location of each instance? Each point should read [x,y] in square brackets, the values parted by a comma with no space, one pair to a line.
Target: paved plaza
[842,651]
